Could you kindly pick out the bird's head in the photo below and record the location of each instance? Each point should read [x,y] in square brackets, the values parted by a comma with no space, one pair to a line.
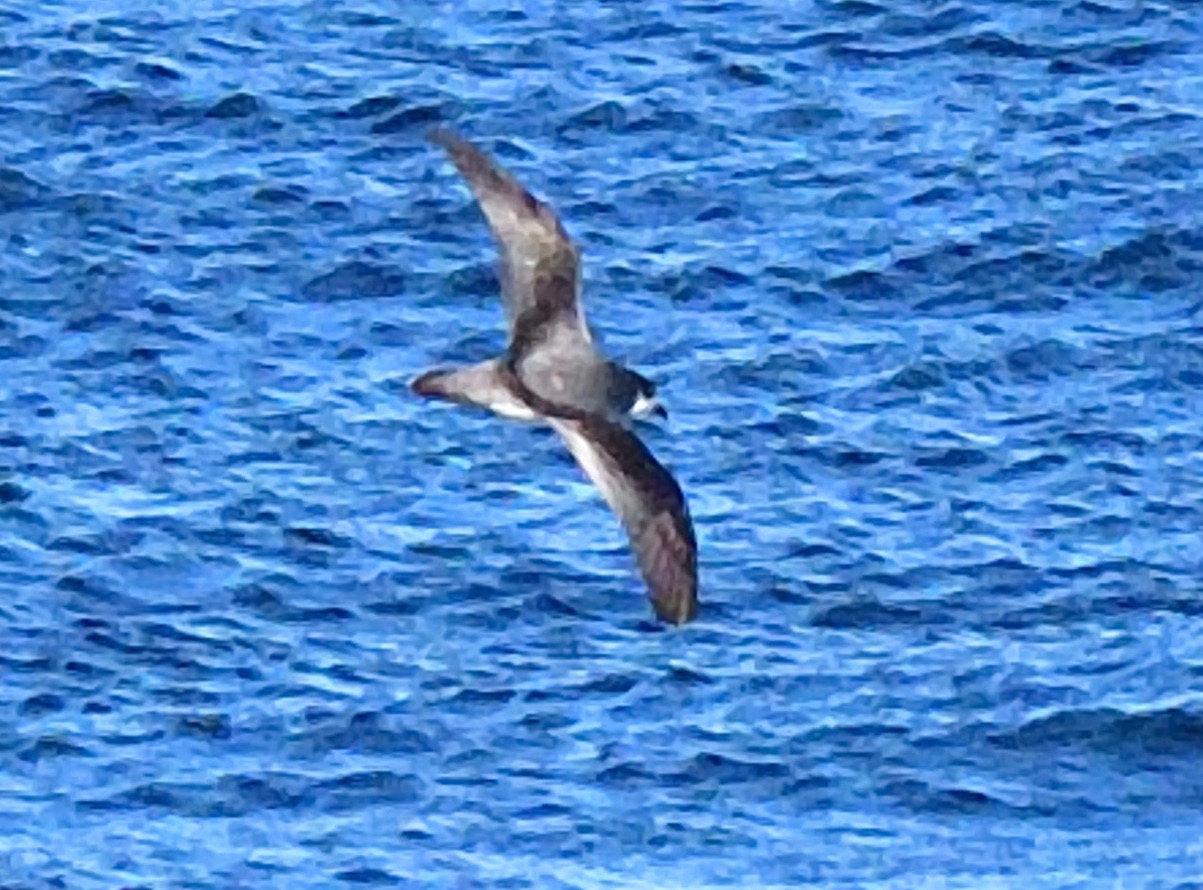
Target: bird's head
[635,395]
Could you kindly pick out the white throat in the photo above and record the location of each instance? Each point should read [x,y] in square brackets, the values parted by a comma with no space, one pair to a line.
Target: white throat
[644,406]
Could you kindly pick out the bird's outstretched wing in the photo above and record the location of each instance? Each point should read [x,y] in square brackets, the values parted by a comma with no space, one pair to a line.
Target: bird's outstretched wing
[540,266]
[648,502]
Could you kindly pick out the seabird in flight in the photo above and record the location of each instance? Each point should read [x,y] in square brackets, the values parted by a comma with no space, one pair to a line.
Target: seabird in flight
[553,372]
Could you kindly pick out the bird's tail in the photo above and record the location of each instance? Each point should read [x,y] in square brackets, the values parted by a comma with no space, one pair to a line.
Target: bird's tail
[481,385]
[433,384]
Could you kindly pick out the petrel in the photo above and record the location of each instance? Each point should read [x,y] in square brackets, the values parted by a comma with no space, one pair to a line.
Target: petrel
[553,372]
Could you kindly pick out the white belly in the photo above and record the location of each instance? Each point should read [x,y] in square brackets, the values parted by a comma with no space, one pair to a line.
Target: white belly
[509,407]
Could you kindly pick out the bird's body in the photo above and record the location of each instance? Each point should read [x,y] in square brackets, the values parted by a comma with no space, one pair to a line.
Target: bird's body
[552,371]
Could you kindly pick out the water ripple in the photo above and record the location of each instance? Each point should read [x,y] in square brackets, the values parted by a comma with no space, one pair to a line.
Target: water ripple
[917,285]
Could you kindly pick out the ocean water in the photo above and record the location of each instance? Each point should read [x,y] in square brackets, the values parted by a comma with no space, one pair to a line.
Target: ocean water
[921,286]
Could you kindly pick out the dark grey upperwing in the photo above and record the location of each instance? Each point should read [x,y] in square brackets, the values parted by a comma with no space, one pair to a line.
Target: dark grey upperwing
[650,505]
[540,266]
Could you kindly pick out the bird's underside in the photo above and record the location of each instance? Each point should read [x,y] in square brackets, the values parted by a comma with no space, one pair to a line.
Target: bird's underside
[553,372]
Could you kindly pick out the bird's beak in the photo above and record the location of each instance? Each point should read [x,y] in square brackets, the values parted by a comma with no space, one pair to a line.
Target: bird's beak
[645,405]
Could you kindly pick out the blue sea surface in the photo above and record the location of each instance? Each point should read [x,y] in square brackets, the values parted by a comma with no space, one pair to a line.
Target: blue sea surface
[922,287]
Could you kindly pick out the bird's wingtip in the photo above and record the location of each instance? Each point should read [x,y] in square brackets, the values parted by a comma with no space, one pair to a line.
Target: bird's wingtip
[667,555]
[446,138]
[678,608]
